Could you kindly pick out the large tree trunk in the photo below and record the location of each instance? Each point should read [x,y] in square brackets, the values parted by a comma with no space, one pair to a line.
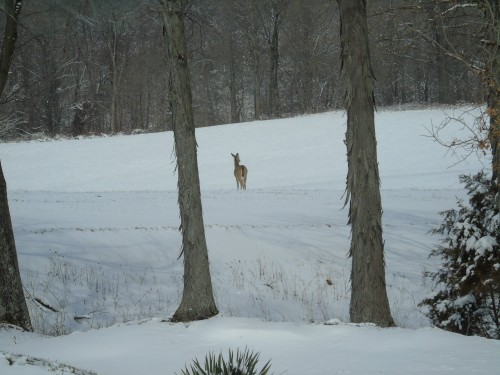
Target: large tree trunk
[13,308]
[197,299]
[369,302]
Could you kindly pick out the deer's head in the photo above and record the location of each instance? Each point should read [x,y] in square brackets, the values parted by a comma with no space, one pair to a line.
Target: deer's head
[236,157]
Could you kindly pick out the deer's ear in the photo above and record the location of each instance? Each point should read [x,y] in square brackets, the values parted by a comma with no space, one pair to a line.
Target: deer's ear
[233,155]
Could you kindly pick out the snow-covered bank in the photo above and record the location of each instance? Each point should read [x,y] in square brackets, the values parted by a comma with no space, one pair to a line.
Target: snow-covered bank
[96,231]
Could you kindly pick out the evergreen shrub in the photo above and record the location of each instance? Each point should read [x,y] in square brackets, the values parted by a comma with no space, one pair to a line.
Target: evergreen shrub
[467,300]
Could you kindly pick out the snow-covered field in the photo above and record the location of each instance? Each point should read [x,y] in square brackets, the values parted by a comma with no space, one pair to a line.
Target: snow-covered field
[96,224]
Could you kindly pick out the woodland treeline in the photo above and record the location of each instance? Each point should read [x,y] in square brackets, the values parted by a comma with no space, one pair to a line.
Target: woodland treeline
[89,67]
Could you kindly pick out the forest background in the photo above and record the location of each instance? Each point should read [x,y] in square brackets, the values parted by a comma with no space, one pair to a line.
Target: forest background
[86,67]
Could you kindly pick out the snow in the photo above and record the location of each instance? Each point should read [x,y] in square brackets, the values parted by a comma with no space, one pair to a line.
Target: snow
[96,224]
[485,244]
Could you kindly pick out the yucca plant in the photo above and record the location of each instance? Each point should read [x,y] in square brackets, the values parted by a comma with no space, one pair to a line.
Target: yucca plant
[243,363]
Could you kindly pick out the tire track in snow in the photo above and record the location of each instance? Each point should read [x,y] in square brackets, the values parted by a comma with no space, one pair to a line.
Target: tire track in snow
[174,228]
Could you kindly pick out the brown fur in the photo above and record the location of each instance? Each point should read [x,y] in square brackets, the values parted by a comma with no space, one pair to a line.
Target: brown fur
[240,173]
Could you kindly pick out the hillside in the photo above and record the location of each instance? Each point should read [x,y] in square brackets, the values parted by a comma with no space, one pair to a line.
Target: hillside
[96,224]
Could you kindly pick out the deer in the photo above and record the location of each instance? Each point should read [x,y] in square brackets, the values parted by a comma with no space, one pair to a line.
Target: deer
[240,172]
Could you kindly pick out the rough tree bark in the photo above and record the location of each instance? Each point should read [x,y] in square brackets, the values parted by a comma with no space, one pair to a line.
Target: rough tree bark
[197,299]
[369,302]
[13,308]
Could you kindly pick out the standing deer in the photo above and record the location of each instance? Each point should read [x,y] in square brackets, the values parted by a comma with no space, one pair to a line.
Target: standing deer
[240,173]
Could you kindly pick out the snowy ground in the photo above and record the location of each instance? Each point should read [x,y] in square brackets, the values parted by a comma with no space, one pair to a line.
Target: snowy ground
[96,232]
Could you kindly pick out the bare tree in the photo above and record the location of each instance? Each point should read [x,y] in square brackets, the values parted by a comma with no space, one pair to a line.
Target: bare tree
[113,32]
[277,16]
[369,302]
[491,12]
[311,48]
[246,15]
[12,11]
[197,299]
[484,61]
